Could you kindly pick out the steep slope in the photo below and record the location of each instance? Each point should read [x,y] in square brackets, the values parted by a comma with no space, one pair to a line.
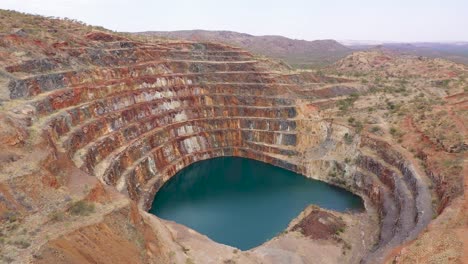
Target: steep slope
[300,53]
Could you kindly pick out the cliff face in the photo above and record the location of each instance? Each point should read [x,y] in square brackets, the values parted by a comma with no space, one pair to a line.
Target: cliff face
[94,123]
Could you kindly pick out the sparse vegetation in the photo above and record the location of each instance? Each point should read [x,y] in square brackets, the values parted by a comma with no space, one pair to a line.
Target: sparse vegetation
[56,216]
[375,129]
[185,249]
[347,246]
[348,139]
[82,208]
[348,102]
[358,126]
[21,243]
[10,216]
[339,230]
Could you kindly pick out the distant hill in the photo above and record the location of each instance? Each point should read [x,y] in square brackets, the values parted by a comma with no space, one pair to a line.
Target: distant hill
[455,51]
[298,53]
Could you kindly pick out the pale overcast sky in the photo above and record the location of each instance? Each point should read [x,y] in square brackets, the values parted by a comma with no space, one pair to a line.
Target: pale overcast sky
[388,20]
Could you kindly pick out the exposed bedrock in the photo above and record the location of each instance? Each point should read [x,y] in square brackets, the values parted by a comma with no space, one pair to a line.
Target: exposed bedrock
[142,112]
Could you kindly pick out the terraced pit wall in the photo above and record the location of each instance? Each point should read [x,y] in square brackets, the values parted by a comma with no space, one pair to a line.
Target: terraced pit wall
[139,113]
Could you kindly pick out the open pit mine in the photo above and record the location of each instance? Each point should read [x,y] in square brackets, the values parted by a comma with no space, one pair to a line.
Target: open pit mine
[93,123]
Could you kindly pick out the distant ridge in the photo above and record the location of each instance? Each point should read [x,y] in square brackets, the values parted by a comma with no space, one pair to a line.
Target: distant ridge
[454,51]
[298,53]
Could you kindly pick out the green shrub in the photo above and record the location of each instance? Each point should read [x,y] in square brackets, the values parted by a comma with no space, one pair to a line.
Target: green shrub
[82,208]
[56,216]
[22,243]
[10,216]
[400,90]
[340,230]
[358,125]
[348,139]
[345,104]
[375,129]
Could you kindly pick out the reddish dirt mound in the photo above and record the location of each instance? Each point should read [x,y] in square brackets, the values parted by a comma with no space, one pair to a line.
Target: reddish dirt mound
[320,225]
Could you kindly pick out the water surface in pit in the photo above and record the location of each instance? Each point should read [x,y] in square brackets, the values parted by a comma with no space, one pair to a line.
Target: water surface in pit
[242,202]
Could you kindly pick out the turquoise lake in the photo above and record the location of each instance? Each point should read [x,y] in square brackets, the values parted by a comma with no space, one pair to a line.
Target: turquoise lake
[242,202]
